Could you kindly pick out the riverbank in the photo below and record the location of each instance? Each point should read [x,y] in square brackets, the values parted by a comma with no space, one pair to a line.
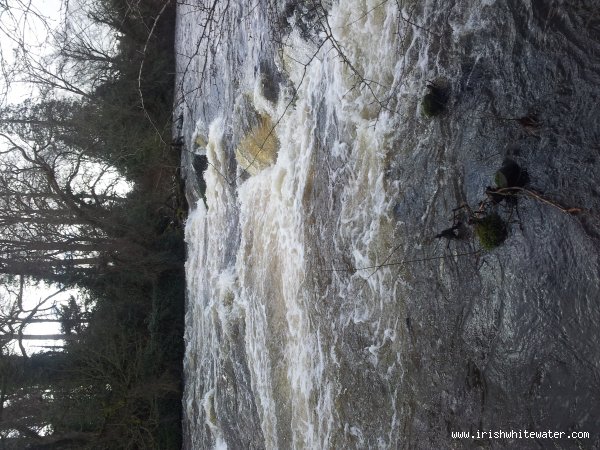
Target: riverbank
[104,214]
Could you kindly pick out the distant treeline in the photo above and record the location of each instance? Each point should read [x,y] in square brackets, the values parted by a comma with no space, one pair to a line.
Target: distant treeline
[65,220]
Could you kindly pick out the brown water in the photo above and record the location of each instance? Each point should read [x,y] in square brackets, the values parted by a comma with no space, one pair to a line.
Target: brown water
[290,342]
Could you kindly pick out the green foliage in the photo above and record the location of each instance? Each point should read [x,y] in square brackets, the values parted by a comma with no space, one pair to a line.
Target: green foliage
[491,231]
[72,319]
[131,353]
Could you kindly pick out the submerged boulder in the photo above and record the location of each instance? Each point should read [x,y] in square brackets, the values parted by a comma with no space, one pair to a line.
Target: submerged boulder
[434,102]
[259,147]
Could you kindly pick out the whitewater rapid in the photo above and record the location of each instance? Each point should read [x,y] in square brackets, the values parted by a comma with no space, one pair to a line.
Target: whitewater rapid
[305,325]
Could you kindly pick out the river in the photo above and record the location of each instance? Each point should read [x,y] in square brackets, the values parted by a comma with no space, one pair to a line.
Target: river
[322,311]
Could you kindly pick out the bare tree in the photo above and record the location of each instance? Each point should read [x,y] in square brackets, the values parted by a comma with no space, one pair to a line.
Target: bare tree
[16,314]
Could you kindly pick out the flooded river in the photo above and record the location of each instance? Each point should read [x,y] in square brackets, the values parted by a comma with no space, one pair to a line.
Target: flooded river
[322,311]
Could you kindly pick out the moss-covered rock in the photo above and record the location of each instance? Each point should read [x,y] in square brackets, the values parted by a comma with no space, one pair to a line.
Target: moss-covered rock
[431,106]
[491,231]
[434,102]
[511,175]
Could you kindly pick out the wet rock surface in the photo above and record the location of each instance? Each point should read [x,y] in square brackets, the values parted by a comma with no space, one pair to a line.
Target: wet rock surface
[446,338]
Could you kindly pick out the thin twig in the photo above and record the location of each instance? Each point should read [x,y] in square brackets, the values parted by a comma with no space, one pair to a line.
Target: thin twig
[510,191]
[406,261]
[162,10]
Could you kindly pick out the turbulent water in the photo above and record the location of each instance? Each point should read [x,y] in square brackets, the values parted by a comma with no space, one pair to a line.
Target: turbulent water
[322,311]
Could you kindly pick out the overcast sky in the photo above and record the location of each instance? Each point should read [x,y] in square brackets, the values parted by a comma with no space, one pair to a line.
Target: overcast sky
[33,29]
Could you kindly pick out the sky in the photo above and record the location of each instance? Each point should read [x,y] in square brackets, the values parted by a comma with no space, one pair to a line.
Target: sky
[32,30]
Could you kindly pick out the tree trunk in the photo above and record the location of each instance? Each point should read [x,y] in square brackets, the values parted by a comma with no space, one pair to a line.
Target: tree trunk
[39,337]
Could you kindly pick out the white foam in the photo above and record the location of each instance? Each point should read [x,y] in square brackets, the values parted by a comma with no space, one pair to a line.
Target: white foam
[287,354]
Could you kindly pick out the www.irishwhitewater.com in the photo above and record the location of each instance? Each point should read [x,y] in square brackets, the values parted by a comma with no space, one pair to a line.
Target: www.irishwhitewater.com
[520,434]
